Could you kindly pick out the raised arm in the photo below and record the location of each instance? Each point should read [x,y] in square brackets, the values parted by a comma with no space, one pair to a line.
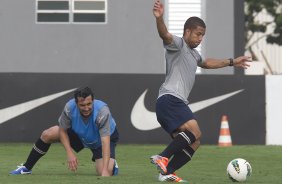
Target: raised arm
[158,12]
[241,61]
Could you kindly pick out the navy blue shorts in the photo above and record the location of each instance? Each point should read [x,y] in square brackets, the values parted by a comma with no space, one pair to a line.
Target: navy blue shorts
[172,113]
[77,145]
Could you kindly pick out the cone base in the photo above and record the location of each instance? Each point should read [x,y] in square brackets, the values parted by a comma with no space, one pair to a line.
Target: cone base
[224,144]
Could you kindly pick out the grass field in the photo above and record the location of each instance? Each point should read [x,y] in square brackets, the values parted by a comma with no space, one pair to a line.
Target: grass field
[207,167]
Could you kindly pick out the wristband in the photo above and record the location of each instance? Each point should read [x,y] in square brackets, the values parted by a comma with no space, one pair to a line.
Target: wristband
[231,62]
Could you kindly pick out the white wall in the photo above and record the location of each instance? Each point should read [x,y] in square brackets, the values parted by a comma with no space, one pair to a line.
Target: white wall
[273,110]
[128,43]
[219,39]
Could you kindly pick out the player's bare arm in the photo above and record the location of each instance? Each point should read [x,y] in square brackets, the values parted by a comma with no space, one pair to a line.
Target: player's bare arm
[158,12]
[211,63]
[106,155]
[71,158]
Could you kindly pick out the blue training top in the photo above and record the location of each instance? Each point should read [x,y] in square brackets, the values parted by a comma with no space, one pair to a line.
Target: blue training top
[87,130]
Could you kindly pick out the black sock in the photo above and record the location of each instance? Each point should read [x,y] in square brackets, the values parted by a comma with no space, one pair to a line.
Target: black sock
[39,149]
[180,159]
[181,141]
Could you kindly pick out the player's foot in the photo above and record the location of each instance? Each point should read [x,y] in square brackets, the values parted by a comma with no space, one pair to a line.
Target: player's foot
[160,162]
[115,169]
[171,178]
[20,170]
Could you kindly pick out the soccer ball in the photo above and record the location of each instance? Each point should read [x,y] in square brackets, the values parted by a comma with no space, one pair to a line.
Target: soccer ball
[238,170]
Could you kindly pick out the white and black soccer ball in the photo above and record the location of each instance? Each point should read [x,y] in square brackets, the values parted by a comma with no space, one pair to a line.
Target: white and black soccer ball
[238,170]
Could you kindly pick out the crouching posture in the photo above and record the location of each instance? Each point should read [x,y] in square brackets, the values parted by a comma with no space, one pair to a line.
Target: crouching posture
[84,123]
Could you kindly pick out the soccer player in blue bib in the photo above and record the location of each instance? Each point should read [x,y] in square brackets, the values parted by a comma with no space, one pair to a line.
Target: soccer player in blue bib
[84,123]
[173,112]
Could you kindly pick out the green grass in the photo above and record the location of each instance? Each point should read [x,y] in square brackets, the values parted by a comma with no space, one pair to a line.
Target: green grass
[207,167]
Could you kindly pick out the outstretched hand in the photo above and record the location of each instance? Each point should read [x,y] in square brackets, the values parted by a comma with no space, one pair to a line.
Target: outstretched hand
[158,9]
[72,162]
[242,61]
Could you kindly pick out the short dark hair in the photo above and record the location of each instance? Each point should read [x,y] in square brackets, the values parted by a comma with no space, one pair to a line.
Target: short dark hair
[83,92]
[193,22]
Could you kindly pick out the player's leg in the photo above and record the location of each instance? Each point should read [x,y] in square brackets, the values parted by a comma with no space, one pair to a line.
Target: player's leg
[42,145]
[185,155]
[39,149]
[171,113]
[187,134]
[99,166]
[193,127]
[181,158]
[186,141]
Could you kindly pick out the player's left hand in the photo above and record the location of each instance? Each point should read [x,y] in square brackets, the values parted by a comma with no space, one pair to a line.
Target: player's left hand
[242,61]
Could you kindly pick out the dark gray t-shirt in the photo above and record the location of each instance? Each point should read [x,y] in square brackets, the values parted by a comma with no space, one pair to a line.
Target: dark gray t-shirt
[102,120]
[181,66]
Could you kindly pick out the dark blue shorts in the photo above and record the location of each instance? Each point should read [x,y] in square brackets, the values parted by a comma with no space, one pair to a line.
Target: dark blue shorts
[77,145]
[172,112]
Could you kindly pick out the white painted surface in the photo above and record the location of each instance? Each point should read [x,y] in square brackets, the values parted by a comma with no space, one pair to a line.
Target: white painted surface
[273,110]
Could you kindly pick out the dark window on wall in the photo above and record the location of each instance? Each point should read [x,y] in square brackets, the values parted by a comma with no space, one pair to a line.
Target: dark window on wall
[53,5]
[89,11]
[53,17]
[89,17]
[53,11]
[71,11]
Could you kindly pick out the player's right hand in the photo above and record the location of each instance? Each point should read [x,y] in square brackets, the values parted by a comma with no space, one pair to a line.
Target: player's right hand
[72,162]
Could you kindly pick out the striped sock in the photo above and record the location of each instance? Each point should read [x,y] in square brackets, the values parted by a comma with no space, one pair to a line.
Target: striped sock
[180,159]
[181,141]
[39,149]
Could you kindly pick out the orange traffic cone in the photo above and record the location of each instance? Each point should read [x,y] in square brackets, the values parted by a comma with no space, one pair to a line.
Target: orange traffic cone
[224,135]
